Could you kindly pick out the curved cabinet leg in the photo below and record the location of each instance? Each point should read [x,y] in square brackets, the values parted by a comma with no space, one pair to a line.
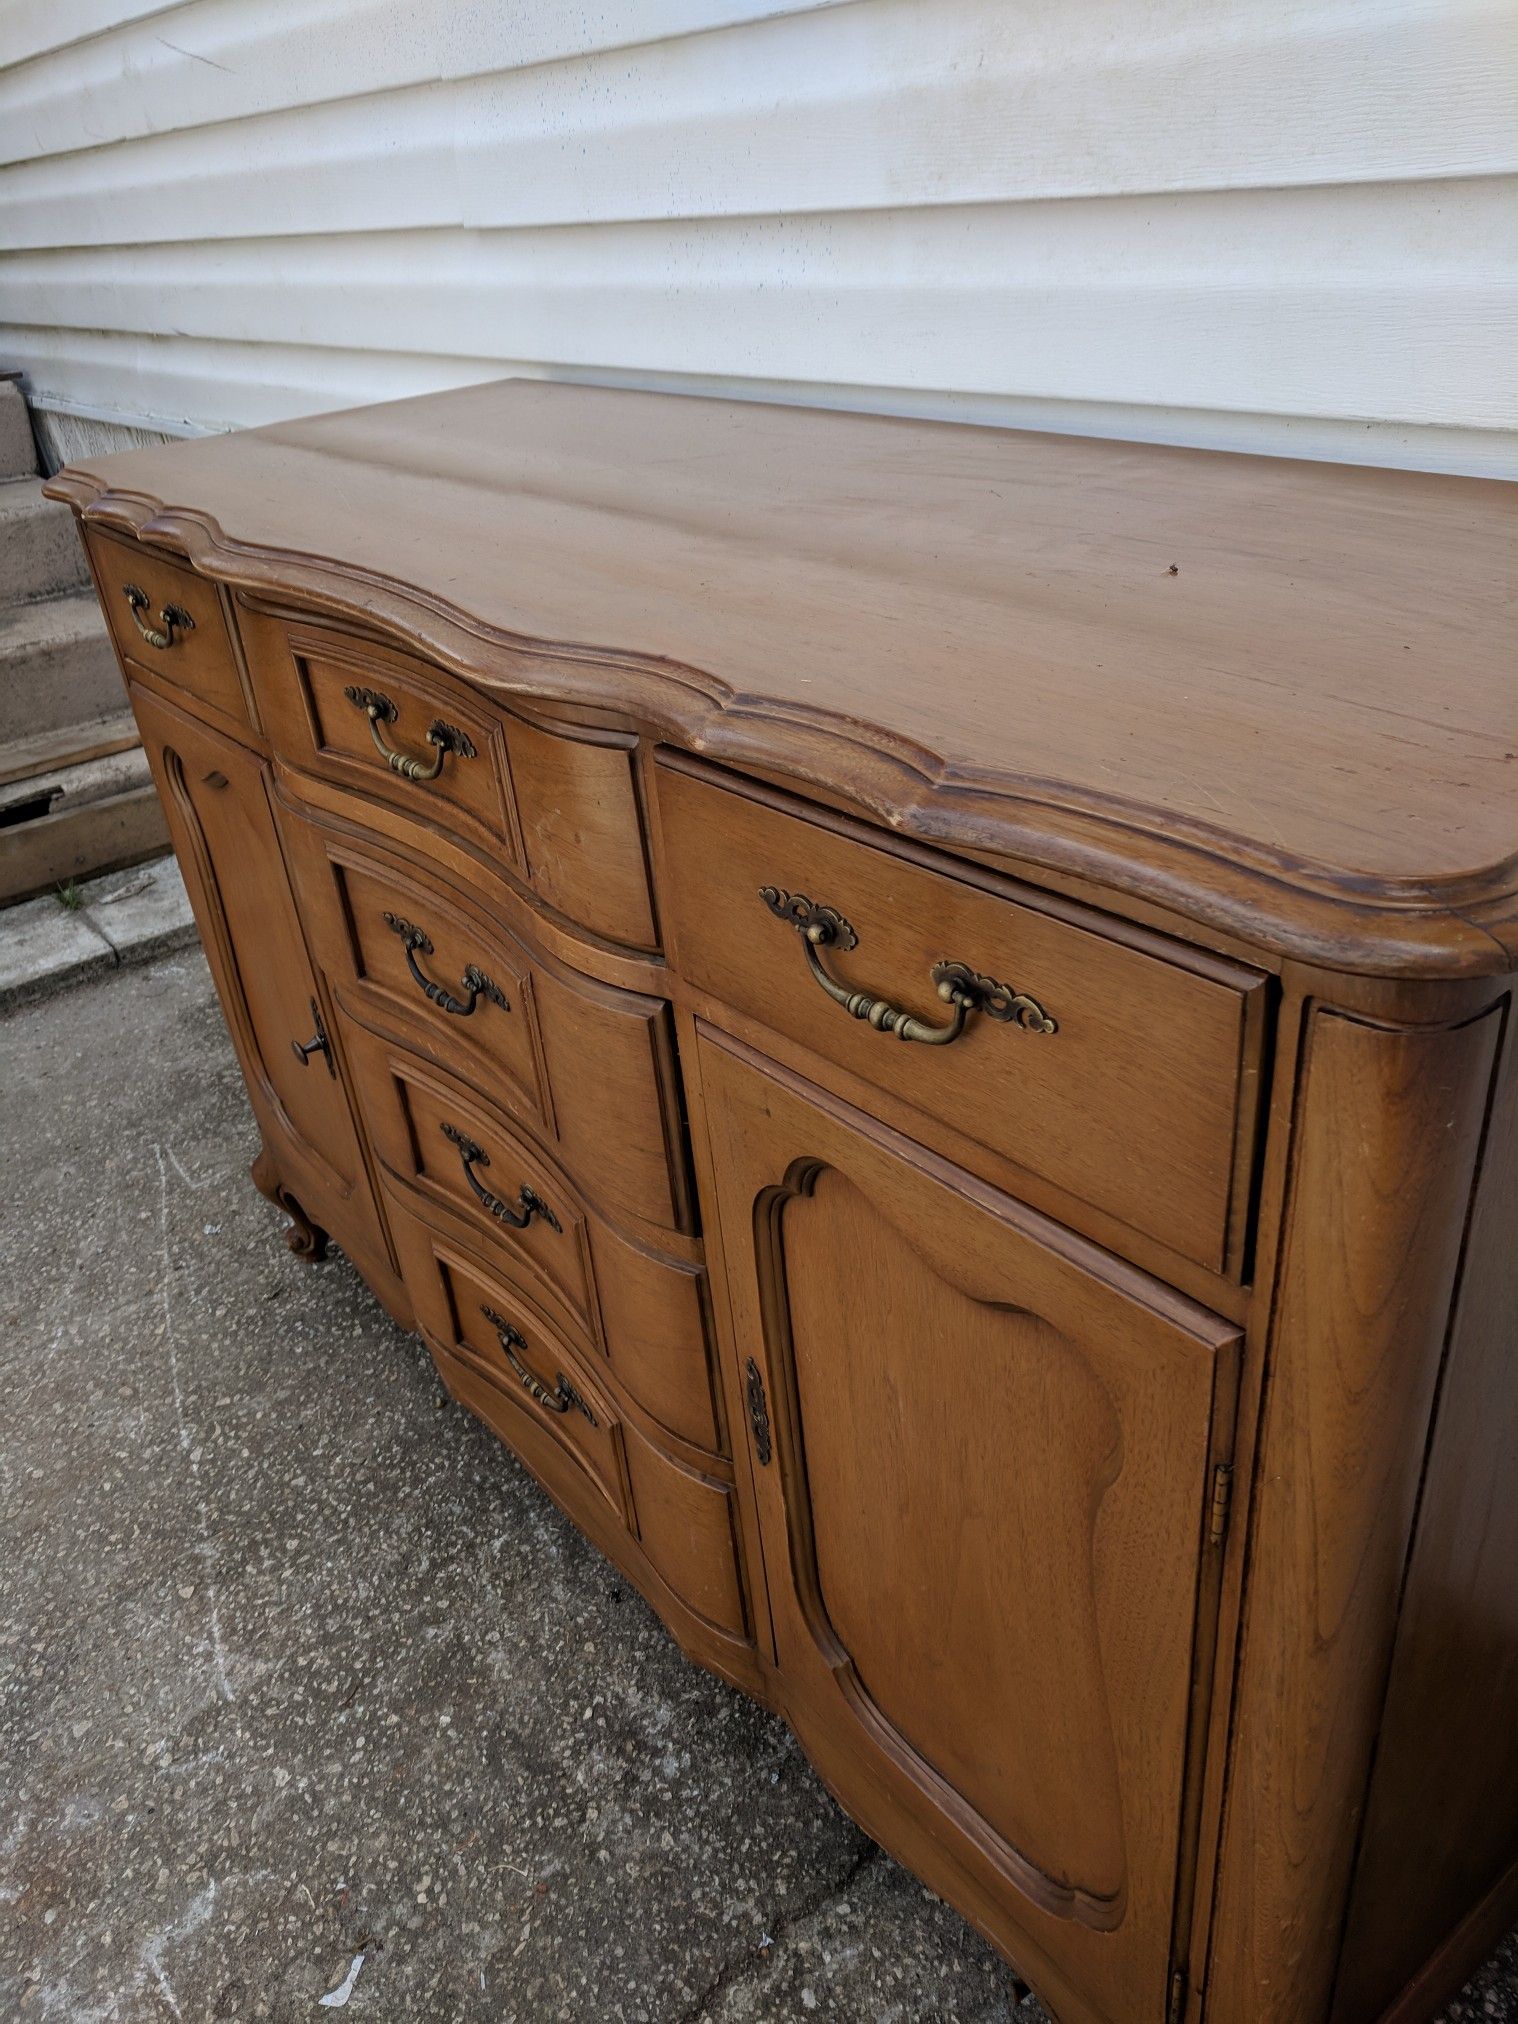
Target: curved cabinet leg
[306,1239]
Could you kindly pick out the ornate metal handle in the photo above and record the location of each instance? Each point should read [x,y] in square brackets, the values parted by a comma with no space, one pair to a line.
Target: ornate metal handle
[958,985]
[445,738]
[317,1044]
[563,1395]
[172,618]
[529,1202]
[475,982]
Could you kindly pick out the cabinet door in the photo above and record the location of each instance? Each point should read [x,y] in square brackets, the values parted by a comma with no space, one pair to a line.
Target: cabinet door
[982,1455]
[215,798]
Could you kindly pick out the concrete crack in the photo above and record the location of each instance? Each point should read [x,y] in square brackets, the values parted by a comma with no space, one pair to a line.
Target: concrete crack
[206,1550]
[738,1970]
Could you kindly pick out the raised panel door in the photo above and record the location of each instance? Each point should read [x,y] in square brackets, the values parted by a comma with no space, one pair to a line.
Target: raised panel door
[983,1453]
[215,797]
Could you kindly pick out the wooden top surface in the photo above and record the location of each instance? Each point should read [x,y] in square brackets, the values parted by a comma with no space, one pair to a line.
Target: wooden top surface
[1279,697]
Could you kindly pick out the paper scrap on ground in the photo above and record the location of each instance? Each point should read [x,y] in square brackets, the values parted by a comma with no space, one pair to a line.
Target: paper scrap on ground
[337,1999]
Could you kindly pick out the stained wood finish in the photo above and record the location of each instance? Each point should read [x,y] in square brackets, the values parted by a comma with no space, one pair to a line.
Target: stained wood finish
[1141,1100]
[1195,677]
[197,659]
[561,811]
[644,1308]
[912,1332]
[215,796]
[564,1052]
[468,1310]
[1392,1119]
[1097,1442]
[671,1499]
[1438,1831]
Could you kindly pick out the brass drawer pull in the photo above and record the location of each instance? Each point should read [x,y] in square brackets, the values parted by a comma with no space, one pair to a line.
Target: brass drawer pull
[173,618]
[444,738]
[958,985]
[529,1202]
[563,1395]
[475,982]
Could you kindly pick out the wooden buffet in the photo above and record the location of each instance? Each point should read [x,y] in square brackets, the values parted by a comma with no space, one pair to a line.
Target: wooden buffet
[919,1017]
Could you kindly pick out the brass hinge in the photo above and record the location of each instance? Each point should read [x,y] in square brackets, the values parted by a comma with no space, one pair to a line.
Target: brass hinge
[1222,1501]
[1177,2001]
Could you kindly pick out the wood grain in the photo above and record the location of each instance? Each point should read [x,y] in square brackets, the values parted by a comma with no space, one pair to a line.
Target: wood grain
[1390,1120]
[1012,1661]
[1441,1822]
[919,1423]
[198,660]
[1134,1103]
[1197,678]
[215,796]
[643,1307]
[532,1052]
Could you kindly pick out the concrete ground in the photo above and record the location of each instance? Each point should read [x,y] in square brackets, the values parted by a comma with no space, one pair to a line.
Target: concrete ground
[300,1671]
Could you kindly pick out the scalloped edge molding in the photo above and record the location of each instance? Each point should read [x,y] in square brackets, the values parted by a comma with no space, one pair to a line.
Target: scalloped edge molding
[1286,908]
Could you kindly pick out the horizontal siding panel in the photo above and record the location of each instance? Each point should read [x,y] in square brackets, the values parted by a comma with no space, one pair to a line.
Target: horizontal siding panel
[189,386]
[887,107]
[1352,302]
[31,28]
[218,60]
[180,386]
[1277,223]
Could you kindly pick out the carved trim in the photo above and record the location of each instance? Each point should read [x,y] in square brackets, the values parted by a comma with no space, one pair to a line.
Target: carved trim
[306,1239]
[221,950]
[1446,927]
[1062,1900]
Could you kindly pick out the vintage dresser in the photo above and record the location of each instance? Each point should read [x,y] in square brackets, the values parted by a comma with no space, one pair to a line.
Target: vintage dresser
[920,1019]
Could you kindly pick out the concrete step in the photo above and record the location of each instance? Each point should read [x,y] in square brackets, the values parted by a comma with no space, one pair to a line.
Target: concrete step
[68,745]
[40,554]
[72,785]
[127,917]
[57,667]
[18,453]
[74,821]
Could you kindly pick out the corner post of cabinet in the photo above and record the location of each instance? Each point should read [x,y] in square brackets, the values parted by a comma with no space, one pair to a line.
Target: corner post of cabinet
[1379,1126]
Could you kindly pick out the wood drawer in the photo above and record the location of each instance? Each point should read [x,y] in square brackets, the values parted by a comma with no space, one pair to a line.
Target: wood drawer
[141,591]
[559,1050]
[488,1322]
[512,1365]
[1139,1094]
[559,809]
[460,1158]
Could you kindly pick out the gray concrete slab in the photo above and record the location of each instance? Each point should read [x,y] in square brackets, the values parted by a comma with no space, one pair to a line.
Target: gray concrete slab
[57,667]
[45,945]
[18,453]
[143,912]
[298,1667]
[40,551]
[121,917]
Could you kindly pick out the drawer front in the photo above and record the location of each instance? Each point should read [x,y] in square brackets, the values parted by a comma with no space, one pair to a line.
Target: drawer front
[541,1392]
[558,810]
[489,1323]
[169,621]
[560,1051]
[464,1166]
[1121,1071]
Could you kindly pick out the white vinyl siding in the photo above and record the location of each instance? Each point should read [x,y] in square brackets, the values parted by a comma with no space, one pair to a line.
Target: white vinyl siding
[1261,224]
